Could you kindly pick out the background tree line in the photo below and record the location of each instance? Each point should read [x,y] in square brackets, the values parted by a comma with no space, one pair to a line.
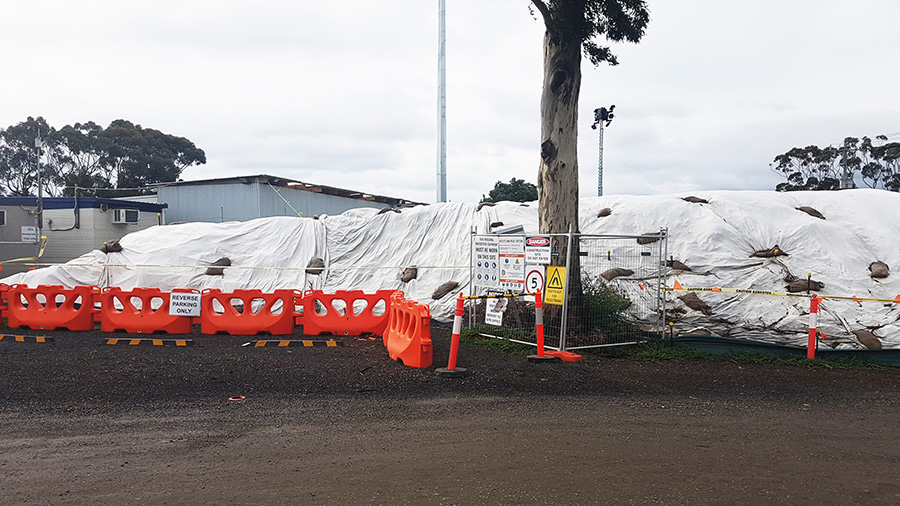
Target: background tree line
[86,155]
[815,168]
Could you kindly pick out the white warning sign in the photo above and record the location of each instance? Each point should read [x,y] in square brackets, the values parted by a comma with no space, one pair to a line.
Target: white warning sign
[493,314]
[486,261]
[537,249]
[512,262]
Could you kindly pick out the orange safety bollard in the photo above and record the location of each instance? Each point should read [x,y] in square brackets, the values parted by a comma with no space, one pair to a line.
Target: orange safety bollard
[539,329]
[451,371]
[408,333]
[813,326]
[141,311]
[50,307]
[345,312]
[256,312]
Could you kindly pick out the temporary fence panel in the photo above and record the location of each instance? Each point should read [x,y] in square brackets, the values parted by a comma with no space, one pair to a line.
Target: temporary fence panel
[615,299]
[621,301]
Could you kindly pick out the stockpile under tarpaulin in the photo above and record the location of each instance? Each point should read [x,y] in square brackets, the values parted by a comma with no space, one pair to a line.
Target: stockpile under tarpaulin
[715,235]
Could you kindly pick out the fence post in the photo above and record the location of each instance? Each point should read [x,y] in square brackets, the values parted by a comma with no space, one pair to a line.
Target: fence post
[565,304]
[451,371]
[539,329]
[813,326]
[663,270]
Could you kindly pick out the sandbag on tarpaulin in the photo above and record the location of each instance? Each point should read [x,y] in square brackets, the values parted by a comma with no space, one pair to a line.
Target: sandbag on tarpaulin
[176,256]
[715,234]
[368,251]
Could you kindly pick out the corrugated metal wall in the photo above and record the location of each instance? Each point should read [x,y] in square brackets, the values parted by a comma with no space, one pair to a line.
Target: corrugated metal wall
[240,202]
[11,232]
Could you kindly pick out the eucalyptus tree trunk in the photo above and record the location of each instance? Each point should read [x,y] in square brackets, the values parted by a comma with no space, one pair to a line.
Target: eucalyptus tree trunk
[558,176]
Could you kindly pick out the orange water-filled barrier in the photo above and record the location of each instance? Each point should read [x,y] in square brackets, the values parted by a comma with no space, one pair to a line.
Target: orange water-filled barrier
[248,312]
[345,312]
[50,307]
[3,289]
[408,335]
[140,311]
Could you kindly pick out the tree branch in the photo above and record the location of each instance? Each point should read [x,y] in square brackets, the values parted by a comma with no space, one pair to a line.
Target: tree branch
[544,10]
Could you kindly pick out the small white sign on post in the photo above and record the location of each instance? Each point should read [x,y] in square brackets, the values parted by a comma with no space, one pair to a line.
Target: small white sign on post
[491,315]
[29,234]
[184,304]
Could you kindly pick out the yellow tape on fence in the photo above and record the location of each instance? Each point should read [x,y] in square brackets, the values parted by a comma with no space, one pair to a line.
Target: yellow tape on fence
[29,259]
[715,289]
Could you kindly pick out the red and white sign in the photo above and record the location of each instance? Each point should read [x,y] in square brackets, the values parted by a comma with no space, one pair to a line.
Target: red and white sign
[534,280]
[537,249]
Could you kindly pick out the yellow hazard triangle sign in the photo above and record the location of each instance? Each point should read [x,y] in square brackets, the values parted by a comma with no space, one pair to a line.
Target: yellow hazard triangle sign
[556,281]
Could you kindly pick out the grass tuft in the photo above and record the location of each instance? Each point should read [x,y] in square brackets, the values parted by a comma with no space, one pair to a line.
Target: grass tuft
[500,344]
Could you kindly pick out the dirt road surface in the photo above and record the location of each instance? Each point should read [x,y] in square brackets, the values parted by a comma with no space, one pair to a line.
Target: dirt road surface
[86,423]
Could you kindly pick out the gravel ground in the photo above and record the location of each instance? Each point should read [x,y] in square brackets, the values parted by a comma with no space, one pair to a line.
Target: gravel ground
[86,423]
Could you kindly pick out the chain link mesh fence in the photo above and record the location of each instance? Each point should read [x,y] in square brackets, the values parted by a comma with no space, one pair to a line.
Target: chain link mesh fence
[607,294]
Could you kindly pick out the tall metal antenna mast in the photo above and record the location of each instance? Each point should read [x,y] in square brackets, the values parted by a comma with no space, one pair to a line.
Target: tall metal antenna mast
[442,104]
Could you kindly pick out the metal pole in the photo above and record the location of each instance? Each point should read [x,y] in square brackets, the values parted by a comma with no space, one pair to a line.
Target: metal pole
[660,295]
[442,104]
[471,275]
[600,165]
[565,308]
[39,144]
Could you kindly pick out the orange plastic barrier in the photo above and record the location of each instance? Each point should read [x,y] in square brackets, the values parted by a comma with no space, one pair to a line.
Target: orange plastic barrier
[3,289]
[341,313]
[140,311]
[256,312]
[50,307]
[408,335]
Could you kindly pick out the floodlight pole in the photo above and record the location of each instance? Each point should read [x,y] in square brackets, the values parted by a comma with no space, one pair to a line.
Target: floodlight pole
[39,145]
[602,117]
[442,104]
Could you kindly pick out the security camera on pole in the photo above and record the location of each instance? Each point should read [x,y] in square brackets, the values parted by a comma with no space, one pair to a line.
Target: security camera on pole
[602,117]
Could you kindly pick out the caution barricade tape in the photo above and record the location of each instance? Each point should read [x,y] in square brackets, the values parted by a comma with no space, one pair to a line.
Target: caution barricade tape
[495,296]
[293,342]
[716,289]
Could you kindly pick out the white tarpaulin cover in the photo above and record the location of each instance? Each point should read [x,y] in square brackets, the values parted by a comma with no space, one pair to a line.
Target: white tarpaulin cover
[364,250]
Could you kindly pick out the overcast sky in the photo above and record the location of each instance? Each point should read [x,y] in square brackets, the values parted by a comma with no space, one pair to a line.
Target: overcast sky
[344,92]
